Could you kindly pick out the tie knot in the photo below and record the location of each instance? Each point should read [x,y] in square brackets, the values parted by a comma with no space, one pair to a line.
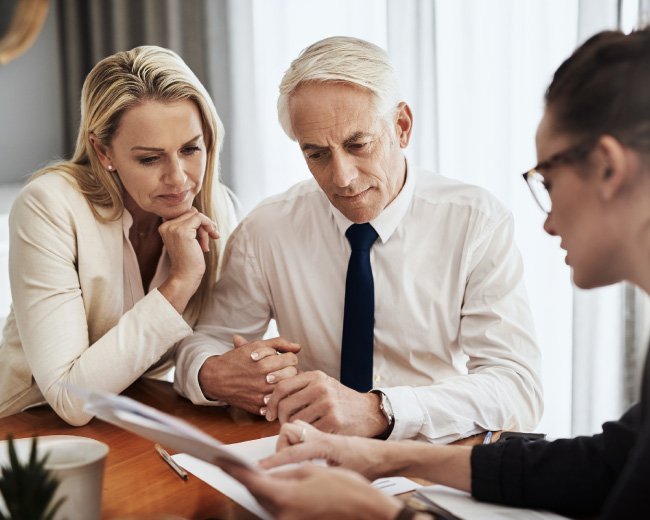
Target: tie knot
[361,236]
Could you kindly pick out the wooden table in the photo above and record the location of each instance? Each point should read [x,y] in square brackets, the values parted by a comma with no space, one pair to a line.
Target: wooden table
[138,484]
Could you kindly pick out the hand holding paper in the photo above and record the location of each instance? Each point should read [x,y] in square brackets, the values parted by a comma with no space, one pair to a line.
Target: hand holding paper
[201,453]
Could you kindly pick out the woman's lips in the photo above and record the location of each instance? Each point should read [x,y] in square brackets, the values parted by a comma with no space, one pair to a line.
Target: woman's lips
[174,198]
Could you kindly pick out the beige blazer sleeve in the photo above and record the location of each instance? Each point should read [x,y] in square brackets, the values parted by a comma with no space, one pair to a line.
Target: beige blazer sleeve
[66,273]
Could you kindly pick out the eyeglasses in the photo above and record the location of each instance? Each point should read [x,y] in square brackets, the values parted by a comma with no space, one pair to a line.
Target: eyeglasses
[535,179]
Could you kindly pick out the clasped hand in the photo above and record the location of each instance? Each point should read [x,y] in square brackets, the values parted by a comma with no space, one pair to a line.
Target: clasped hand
[325,403]
[247,375]
[253,377]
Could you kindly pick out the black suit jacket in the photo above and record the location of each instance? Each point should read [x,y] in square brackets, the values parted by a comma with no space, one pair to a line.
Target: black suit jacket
[606,475]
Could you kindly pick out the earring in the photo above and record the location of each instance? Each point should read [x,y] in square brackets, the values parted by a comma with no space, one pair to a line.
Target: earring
[110,168]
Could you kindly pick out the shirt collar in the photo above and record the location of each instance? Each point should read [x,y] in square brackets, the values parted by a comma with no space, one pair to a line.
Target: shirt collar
[388,220]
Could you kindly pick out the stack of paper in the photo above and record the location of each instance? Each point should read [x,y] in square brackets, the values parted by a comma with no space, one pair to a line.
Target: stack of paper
[455,504]
[252,451]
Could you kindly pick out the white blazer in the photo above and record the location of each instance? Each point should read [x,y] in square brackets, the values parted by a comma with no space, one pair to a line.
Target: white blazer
[67,321]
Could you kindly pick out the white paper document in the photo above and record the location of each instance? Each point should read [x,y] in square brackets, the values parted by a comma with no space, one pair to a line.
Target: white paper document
[222,482]
[201,453]
[155,425]
[395,485]
[252,451]
[458,504]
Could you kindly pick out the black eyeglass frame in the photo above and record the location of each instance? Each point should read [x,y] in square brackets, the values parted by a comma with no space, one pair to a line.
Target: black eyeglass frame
[568,156]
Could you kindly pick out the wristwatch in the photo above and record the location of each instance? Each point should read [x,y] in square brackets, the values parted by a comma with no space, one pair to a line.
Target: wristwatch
[387,410]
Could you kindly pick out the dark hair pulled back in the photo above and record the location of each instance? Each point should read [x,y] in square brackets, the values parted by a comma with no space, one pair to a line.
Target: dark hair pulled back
[604,88]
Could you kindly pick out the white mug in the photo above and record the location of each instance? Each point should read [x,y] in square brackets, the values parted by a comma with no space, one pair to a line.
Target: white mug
[78,463]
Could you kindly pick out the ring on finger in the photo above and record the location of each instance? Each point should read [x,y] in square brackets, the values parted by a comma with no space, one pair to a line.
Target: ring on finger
[303,435]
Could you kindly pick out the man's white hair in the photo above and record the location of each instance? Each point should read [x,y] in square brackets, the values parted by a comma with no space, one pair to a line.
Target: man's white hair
[341,59]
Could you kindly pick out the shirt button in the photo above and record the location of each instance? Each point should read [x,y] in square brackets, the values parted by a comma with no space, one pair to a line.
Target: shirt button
[376,378]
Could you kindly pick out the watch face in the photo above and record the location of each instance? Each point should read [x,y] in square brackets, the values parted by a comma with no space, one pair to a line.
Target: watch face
[387,410]
[386,407]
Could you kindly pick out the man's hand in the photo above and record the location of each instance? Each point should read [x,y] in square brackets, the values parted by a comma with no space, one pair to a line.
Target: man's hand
[243,376]
[325,403]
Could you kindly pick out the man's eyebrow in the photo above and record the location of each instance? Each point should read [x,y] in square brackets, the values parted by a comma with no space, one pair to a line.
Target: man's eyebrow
[152,149]
[352,139]
[355,137]
[309,146]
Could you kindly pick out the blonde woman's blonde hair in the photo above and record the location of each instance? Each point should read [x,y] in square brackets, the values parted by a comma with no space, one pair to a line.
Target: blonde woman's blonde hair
[341,59]
[112,87]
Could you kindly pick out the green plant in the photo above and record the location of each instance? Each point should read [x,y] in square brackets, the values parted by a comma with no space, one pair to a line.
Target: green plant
[28,489]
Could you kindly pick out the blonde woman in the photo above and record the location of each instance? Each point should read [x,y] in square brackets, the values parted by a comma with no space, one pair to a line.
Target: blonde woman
[112,254]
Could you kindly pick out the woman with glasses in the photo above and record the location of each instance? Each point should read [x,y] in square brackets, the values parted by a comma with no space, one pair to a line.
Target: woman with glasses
[593,180]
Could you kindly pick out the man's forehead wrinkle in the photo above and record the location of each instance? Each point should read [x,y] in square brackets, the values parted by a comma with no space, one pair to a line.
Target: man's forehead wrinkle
[327,122]
[325,125]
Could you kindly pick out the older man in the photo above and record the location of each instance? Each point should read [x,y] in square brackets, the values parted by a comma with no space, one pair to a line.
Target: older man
[400,291]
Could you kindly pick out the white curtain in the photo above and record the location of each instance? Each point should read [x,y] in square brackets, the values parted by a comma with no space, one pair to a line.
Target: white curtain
[495,60]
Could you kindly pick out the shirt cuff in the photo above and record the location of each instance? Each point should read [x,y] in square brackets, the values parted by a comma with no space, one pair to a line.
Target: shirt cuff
[408,415]
[191,388]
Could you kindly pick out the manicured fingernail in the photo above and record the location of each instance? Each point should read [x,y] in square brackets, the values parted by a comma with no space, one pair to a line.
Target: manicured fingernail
[255,355]
[263,411]
[270,378]
[267,398]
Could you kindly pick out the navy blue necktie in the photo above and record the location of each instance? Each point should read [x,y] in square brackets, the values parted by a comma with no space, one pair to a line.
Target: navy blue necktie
[359,312]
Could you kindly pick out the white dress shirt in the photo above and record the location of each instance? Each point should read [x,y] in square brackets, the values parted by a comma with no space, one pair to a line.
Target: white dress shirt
[454,346]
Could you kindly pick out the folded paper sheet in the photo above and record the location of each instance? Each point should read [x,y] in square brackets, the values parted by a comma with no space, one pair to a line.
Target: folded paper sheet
[155,425]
